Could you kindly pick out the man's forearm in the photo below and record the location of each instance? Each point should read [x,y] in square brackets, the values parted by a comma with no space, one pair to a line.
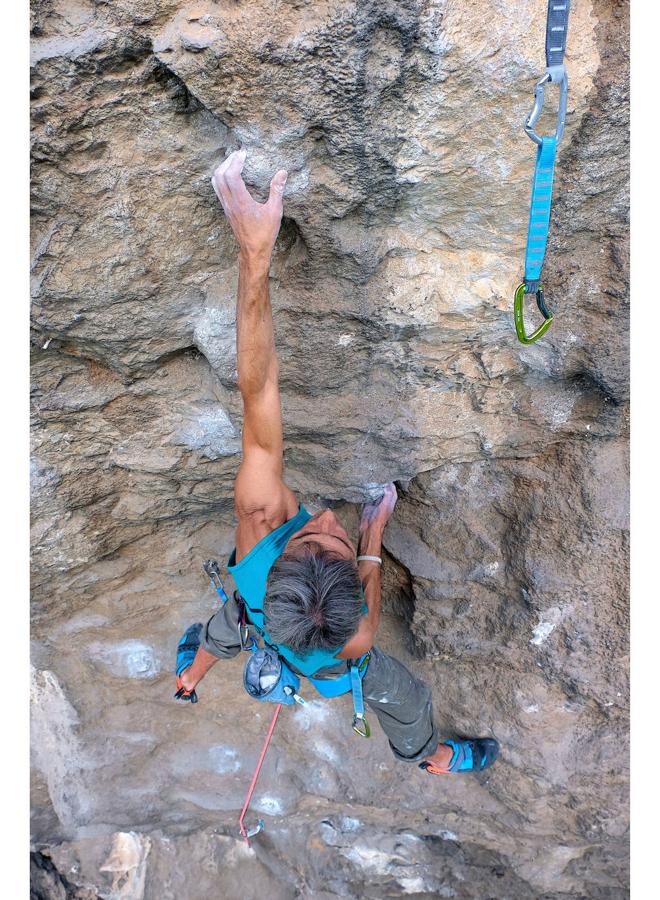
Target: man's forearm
[255,340]
[255,226]
[369,572]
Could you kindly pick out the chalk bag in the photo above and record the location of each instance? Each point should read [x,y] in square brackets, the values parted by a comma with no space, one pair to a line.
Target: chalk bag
[267,677]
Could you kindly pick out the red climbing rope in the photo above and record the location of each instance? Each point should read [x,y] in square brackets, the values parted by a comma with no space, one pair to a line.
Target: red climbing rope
[245,834]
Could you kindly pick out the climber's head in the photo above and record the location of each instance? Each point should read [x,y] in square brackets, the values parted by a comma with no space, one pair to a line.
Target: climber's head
[313,596]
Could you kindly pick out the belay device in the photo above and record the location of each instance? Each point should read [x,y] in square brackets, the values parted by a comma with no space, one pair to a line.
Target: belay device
[539,213]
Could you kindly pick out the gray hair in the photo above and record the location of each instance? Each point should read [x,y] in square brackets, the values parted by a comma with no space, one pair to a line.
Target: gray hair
[313,601]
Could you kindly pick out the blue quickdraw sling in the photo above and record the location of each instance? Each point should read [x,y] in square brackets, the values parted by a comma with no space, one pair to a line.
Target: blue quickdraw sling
[349,681]
[539,216]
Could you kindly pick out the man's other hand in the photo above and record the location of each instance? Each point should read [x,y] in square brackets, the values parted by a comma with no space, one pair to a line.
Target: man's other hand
[255,225]
[375,515]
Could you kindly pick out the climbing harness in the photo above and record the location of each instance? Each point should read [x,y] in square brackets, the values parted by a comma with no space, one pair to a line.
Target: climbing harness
[268,678]
[539,215]
[309,664]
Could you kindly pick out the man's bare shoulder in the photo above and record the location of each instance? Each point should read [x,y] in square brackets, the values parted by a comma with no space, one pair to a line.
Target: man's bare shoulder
[362,640]
[255,523]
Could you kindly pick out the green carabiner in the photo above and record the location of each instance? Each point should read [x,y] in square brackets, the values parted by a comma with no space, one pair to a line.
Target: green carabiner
[518,299]
[365,725]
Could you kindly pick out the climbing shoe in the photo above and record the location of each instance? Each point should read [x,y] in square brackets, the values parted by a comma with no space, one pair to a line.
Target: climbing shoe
[185,654]
[472,755]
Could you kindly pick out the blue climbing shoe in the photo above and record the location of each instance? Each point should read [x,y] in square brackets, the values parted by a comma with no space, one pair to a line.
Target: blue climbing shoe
[185,654]
[471,755]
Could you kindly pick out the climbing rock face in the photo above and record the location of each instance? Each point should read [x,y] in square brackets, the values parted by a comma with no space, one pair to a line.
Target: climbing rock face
[505,571]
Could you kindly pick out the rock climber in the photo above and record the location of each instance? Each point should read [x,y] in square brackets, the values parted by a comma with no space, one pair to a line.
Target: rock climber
[322,594]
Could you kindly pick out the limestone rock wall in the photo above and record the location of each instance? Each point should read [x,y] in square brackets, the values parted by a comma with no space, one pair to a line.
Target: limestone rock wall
[506,561]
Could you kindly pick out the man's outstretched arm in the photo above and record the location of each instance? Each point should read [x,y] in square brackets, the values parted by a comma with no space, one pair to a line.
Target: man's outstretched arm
[260,492]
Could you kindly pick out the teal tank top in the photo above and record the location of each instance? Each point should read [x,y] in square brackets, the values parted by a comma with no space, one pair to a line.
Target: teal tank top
[251,575]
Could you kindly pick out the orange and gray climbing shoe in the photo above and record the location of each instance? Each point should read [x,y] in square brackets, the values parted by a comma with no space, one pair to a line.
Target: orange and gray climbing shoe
[471,755]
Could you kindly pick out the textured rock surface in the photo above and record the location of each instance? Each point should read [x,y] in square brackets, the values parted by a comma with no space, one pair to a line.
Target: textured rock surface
[505,577]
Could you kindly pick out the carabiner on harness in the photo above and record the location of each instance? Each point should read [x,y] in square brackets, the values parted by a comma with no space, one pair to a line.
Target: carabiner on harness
[246,640]
[361,726]
[213,571]
[289,691]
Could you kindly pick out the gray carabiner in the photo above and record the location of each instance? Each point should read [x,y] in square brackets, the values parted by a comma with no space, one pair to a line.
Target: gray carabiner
[244,637]
[213,571]
[556,75]
[253,832]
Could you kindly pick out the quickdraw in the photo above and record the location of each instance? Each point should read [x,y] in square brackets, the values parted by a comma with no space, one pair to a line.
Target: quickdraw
[213,571]
[360,724]
[539,215]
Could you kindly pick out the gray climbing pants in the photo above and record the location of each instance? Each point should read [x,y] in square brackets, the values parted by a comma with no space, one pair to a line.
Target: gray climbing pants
[401,702]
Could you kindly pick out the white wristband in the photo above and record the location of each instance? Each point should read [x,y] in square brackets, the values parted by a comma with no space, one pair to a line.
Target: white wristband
[375,559]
